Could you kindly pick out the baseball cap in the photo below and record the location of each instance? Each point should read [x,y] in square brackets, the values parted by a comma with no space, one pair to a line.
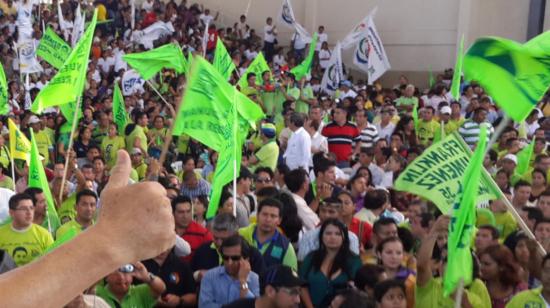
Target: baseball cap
[511,157]
[445,110]
[282,276]
[136,151]
[268,130]
[34,119]
[346,83]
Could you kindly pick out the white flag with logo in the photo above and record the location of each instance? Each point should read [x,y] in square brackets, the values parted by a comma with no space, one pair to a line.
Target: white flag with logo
[28,63]
[78,27]
[334,72]
[369,55]
[286,17]
[132,83]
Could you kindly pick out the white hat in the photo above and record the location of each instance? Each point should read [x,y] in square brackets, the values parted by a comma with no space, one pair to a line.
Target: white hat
[34,119]
[136,151]
[511,157]
[445,110]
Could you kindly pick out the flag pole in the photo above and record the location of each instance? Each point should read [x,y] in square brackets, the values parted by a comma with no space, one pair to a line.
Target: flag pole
[157,92]
[499,129]
[235,152]
[459,293]
[73,128]
[12,168]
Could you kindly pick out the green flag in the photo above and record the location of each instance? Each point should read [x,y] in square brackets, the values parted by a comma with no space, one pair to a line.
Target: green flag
[4,107]
[67,85]
[415,117]
[37,178]
[540,43]
[304,68]
[68,112]
[463,220]
[66,237]
[222,60]
[53,49]
[431,79]
[120,117]
[436,174]
[455,86]
[258,67]
[207,114]
[149,63]
[514,75]
[524,158]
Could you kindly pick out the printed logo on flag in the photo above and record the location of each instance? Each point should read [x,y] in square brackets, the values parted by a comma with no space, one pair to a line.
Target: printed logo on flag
[287,14]
[362,51]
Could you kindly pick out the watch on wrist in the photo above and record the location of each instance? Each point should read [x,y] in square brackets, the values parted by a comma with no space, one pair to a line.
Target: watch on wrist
[244,286]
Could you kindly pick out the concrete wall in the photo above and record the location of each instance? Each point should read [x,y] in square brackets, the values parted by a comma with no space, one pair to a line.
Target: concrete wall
[417,34]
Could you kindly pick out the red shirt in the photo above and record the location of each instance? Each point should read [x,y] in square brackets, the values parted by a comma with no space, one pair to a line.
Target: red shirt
[195,235]
[355,226]
[212,39]
[341,138]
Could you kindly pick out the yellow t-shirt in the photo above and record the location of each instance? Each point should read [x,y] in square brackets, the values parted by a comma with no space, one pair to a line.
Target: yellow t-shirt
[505,223]
[426,131]
[268,155]
[138,132]
[101,12]
[431,295]
[67,211]
[141,170]
[110,147]
[44,145]
[68,226]
[25,246]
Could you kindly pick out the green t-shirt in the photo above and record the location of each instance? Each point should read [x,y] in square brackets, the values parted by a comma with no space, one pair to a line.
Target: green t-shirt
[505,223]
[44,145]
[110,147]
[406,101]
[25,246]
[138,132]
[431,295]
[302,106]
[68,226]
[527,299]
[137,296]
[183,143]
[158,136]
[268,155]
[67,211]
[6,182]
[141,170]
[426,131]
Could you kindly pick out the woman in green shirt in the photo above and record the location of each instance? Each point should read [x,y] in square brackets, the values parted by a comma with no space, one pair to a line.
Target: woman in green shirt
[156,136]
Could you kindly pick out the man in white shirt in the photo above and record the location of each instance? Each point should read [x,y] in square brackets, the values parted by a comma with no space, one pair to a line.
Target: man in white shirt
[298,150]
[270,35]
[321,37]
[297,182]
[299,44]
[107,62]
[346,91]
[206,18]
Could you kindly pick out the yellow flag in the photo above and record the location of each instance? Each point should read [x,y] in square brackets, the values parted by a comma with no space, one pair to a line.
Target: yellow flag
[20,146]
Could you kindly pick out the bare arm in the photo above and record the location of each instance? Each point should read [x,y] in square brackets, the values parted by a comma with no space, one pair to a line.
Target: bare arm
[423,267]
[115,240]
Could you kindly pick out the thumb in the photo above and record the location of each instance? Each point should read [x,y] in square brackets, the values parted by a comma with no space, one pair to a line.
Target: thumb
[121,171]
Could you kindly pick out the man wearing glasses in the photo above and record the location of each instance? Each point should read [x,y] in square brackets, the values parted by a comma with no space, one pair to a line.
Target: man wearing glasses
[231,281]
[22,239]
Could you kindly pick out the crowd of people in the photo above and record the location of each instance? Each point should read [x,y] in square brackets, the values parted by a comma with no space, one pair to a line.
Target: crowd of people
[316,220]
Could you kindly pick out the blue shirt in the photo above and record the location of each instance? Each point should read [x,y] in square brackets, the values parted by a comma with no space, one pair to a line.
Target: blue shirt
[202,188]
[218,288]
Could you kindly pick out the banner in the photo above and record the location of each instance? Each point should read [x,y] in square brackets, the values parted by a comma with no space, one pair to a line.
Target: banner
[120,117]
[67,85]
[516,76]
[334,72]
[132,83]
[304,68]
[369,55]
[53,49]
[436,174]
[20,146]
[147,36]
[78,26]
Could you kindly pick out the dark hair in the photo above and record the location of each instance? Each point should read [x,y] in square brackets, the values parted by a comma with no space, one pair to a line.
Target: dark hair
[295,179]
[534,213]
[382,221]
[266,170]
[267,192]
[85,192]
[492,229]
[236,240]
[297,119]
[387,240]
[33,191]
[539,170]
[272,202]
[321,163]
[542,220]
[244,174]
[291,223]
[15,199]
[355,298]
[546,258]
[343,255]
[368,276]
[383,287]
[508,268]
[407,239]
[375,199]
[179,199]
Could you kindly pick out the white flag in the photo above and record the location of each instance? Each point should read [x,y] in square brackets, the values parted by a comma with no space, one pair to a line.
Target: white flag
[369,55]
[334,72]
[147,36]
[358,31]
[205,37]
[132,83]
[78,27]
[286,17]
[27,57]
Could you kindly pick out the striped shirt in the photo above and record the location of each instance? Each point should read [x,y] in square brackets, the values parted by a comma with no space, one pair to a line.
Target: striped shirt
[470,132]
[369,136]
[341,139]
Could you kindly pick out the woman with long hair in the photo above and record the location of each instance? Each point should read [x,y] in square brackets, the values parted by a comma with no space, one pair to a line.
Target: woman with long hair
[357,186]
[405,127]
[538,184]
[526,255]
[331,267]
[291,223]
[499,270]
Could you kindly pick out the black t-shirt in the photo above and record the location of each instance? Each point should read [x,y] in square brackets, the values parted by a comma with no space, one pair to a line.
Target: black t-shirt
[242,303]
[176,274]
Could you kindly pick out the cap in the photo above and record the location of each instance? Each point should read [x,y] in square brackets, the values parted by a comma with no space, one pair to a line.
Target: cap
[282,276]
[511,157]
[445,110]
[136,151]
[268,130]
[34,119]
[346,83]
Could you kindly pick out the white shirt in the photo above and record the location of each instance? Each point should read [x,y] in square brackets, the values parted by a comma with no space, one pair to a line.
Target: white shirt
[106,64]
[206,19]
[250,54]
[5,195]
[349,93]
[310,220]
[321,37]
[324,58]
[298,150]
[147,6]
[269,37]
[310,242]
[279,60]
[299,42]
[386,131]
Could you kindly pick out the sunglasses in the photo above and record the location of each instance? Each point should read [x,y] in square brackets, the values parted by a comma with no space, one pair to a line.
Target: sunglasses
[233,258]
[263,180]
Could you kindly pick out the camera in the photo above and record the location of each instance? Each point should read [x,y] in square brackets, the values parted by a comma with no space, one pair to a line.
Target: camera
[127,268]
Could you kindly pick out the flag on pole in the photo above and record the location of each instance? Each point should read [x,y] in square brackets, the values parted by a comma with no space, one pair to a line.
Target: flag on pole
[524,158]
[516,76]
[455,86]
[258,67]
[431,79]
[463,221]
[4,107]
[120,116]
[37,178]
[304,68]
[67,85]
[28,63]
[78,26]
[133,14]
[207,113]
[286,17]
[149,63]
[222,60]
[20,146]
[334,72]
[540,43]
[53,49]
[68,112]
[415,117]
[358,32]
[369,55]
